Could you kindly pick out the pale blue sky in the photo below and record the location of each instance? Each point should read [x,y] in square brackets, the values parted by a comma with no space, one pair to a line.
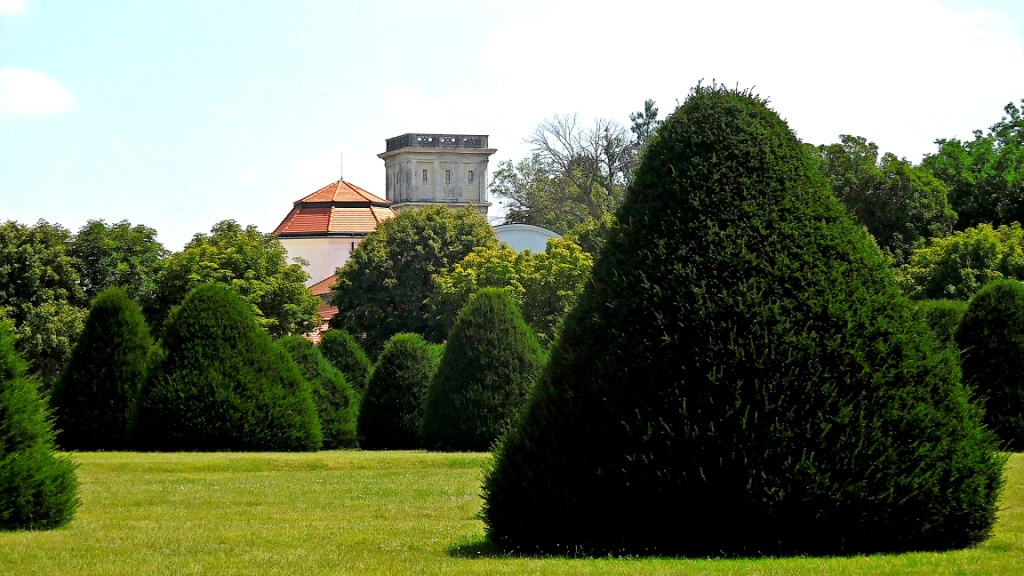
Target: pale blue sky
[179,114]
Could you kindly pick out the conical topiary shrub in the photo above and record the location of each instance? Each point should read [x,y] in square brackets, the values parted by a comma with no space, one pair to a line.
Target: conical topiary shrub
[991,337]
[489,364]
[392,409]
[223,384]
[93,400]
[38,488]
[742,375]
[341,350]
[336,402]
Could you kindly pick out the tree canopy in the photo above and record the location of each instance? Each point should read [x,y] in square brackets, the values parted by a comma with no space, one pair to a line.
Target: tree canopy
[382,290]
[40,294]
[985,175]
[249,262]
[959,265]
[575,171]
[544,285]
[900,204]
[118,254]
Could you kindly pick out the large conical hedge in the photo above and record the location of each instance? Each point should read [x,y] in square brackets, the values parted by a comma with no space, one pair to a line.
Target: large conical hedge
[337,403]
[489,364]
[93,401]
[223,384]
[392,408]
[344,353]
[742,374]
[991,336]
[38,488]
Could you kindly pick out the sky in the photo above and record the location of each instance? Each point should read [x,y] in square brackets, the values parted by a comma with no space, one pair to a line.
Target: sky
[178,115]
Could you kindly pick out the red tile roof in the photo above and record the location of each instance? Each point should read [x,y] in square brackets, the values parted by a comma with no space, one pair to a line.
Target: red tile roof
[342,191]
[324,286]
[327,312]
[338,208]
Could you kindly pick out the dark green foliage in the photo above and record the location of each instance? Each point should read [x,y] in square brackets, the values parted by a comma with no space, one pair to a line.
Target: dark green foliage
[92,402]
[490,362]
[223,384]
[117,254]
[991,336]
[382,290]
[742,375]
[943,316]
[38,488]
[336,402]
[900,204]
[985,175]
[392,409]
[345,354]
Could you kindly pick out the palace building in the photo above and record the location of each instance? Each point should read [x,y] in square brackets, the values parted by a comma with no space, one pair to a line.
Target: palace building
[325,227]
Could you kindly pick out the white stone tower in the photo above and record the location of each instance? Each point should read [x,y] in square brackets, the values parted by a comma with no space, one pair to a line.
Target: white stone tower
[446,169]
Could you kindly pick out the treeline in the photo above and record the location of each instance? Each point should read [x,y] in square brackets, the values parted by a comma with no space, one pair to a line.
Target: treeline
[946,212]
[49,276]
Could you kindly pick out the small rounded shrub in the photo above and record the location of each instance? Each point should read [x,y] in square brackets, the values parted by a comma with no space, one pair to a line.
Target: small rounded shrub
[392,409]
[943,316]
[991,337]
[490,362]
[337,403]
[742,375]
[341,350]
[93,400]
[38,487]
[223,384]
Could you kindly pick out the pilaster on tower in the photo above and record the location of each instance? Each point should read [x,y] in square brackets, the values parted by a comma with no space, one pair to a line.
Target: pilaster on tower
[445,169]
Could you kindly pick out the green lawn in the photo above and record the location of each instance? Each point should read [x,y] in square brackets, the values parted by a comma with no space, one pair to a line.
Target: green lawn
[365,513]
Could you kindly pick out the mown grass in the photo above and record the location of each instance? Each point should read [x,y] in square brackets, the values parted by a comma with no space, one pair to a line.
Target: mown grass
[367,513]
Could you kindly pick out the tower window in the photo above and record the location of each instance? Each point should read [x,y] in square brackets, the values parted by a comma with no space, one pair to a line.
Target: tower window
[424,175]
[447,176]
[470,175]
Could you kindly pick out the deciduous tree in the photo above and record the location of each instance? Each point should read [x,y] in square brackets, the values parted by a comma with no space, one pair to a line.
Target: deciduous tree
[249,262]
[985,175]
[545,285]
[117,254]
[41,295]
[900,204]
[959,265]
[382,290]
[574,172]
